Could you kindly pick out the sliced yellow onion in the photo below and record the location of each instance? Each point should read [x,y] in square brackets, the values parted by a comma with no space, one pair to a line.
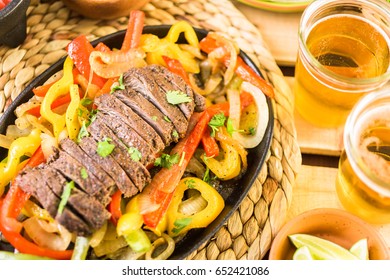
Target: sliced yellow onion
[47,235]
[164,240]
[48,143]
[232,50]
[211,84]
[249,141]
[113,64]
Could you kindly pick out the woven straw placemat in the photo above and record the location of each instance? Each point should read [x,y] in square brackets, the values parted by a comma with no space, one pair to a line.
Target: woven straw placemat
[249,232]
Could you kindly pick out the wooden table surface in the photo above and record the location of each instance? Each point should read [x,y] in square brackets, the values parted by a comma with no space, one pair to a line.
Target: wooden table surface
[315,184]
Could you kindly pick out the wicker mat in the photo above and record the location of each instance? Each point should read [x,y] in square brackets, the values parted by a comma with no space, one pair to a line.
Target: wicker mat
[249,232]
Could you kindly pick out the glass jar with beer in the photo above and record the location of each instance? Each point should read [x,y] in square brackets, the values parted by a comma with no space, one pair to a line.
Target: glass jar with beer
[363,180]
[343,54]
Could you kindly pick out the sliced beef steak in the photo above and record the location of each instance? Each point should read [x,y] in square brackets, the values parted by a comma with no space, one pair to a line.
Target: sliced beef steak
[89,209]
[111,105]
[72,169]
[108,164]
[91,166]
[141,80]
[137,172]
[146,110]
[30,180]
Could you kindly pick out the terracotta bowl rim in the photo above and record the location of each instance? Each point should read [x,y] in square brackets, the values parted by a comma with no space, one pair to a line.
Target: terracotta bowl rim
[277,243]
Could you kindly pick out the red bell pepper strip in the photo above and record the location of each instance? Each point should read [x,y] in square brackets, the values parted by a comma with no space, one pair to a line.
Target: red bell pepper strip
[163,184]
[176,67]
[42,90]
[101,47]
[134,30]
[115,207]
[79,50]
[246,73]
[210,144]
[246,99]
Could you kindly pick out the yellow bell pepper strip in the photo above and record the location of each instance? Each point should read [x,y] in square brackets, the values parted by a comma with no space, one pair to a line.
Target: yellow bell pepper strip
[178,222]
[23,146]
[183,27]
[71,115]
[130,226]
[208,44]
[227,168]
[156,48]
[60,88]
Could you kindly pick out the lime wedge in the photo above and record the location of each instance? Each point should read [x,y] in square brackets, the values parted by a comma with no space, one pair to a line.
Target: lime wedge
[320,248]
[302,253]
[360,249]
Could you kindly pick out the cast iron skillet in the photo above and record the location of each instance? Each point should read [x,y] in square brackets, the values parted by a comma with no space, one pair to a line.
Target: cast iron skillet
[233,192]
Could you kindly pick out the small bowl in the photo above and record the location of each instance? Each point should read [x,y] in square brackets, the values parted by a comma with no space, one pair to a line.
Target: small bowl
[334,225]
[13,23]
[104,9]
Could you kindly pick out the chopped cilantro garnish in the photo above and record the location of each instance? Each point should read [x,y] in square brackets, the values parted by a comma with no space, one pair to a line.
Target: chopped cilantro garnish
[190,183]
[154,118]
[166,160]
[119,85]
[230,128]
[175,97]
[180,225]
[167,119]
[252,131]
[83,132]
[135,154]
[86,101]
[105,148]
[83,173]
[216,122]
[175,134]
[206,176]
[65,196]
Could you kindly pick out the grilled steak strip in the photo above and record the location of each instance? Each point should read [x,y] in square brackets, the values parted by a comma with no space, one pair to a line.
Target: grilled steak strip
[130,138]
[146,110]
[74,150]
[90,210]
[134,169]
[71,169]
[48,195]
[140,79]
[110,105]
[108,164]
[30,180]
[168,81]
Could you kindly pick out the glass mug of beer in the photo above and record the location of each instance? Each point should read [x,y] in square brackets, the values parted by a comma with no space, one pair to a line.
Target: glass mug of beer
[363,180]
[343,54]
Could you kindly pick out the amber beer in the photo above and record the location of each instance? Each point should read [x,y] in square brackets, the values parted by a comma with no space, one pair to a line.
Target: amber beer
[363,180]
[343,54]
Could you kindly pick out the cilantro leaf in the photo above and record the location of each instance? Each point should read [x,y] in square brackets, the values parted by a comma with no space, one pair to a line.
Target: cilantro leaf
[86,101]
[65,196]
[134,154]
[167,119]
[83,173]
[252,131]
[83,132]
[119,85]
[190,183]
[166,160]
[175,97]
[180,225]
[216,122]
[175,134]
[105,148]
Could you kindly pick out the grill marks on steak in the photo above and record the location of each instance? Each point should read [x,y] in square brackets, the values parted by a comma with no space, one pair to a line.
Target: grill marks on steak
[137,117]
